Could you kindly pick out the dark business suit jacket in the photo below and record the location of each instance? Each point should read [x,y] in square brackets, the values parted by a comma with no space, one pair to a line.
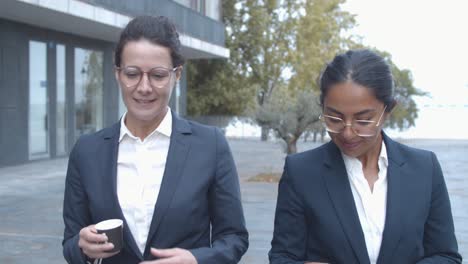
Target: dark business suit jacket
[316,218]
[199,190]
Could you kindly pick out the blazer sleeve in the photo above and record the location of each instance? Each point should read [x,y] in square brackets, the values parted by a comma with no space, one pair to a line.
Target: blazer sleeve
[290,230]
[75,212]
[228,231]
[440,244]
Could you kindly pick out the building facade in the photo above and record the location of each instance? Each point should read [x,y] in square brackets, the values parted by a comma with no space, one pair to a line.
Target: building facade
[56,67]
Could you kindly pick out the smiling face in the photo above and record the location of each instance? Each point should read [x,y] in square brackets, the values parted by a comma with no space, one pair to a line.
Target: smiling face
[350,101]
[146,105]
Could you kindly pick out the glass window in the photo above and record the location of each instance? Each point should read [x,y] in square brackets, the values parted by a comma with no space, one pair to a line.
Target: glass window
[61,117]
[186,3]
[213,9]
[38,118]
[88,91]
[209,8]
[122,106]
[177,98]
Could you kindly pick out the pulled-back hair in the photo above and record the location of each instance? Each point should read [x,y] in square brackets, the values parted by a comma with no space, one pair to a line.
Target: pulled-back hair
[362,67]
[158,30]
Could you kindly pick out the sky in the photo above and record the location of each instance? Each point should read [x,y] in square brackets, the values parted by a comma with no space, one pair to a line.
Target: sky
[430,38]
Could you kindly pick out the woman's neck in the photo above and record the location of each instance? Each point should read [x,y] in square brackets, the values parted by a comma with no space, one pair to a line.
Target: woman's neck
[143,129]
[370,162]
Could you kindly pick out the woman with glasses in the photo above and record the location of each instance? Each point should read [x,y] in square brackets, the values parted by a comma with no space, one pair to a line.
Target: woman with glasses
[173,182]
[362,198]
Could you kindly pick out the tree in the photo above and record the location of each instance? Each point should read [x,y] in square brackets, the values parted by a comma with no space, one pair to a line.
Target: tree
[258,42]
[289,116]
[406,111]
[280,44]
[266,46]
[217,86]
[214,92]
[317,38]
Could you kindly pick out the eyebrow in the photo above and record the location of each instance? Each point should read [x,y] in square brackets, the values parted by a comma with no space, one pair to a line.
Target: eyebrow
[365,111]
[160,66]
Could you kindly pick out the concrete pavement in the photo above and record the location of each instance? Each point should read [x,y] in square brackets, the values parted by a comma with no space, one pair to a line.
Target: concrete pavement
[31,200]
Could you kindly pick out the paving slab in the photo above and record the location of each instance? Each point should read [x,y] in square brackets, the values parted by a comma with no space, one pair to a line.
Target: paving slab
[31,197]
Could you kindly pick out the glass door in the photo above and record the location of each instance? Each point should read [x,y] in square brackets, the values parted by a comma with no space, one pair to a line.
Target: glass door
[38,101]
[61,102]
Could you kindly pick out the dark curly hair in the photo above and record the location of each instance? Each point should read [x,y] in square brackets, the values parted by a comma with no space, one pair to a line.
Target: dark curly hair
[158,30]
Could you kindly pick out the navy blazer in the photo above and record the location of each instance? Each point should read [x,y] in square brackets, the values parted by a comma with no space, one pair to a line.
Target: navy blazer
[316,218]
[200,190]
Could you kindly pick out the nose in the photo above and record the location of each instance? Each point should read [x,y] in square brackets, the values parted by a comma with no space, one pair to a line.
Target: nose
[348,132]
[144,85]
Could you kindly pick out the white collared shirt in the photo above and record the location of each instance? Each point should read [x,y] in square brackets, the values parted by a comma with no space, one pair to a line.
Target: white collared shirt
[140,169]
[371,205]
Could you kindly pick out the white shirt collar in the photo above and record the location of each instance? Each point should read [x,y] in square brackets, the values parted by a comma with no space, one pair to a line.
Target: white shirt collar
[165,128]
[371,204]
[383,154]
[352,164]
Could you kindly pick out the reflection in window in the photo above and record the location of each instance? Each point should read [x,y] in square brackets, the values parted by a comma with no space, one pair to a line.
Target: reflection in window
[88,91]
[122,106]
[61,120]
[211,8]
[186,3]
[38,119]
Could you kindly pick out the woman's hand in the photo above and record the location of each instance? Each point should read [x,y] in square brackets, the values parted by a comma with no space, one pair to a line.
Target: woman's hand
[171,256]
[94,245]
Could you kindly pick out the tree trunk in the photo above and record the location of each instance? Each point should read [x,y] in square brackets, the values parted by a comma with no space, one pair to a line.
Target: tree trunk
[291,146]
[322,134]
[264,135]
[306,136]
[315,136]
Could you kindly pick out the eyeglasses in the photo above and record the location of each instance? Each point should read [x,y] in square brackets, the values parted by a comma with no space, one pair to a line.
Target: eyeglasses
[362,128]
[158,77]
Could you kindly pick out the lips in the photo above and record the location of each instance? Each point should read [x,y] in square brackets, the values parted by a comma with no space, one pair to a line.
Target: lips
[351,145]
[144,101]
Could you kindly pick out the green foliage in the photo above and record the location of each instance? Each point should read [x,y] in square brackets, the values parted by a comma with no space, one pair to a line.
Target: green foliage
[316,38]
[265,44]
[289,115]
[406,111]
[212,91]
[281,45]
[257,42]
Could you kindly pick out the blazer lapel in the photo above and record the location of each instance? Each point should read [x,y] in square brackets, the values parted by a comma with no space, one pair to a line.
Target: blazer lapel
[395,174]
[111,138]
[339,189]
[176,158]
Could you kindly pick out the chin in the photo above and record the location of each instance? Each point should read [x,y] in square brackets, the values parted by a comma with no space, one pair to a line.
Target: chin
[353,154]
[144,115]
